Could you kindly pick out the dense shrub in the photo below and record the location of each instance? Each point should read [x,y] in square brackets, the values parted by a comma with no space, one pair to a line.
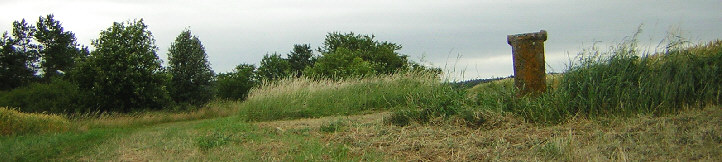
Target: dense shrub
[58,96]
[235,85]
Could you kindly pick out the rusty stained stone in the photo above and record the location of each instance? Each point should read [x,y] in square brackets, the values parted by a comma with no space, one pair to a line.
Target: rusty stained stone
[529,67]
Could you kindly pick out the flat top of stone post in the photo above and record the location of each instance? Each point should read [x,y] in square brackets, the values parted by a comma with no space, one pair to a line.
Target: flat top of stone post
[541,35]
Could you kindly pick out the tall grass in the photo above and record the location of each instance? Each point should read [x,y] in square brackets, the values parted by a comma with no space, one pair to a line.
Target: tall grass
[13,122]
[627,82]
[620,82]
[302,97]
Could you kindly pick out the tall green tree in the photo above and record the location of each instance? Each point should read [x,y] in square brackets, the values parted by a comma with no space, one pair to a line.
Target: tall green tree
[19,56]
[236,85]
[58,48]
[190,71]
[124,72]
[300,58]
[273,67]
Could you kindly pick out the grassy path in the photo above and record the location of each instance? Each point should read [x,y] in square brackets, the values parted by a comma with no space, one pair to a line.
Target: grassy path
[690,135]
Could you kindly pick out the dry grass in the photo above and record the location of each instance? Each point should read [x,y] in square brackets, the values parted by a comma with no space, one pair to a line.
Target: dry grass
[13,122]
[690,135]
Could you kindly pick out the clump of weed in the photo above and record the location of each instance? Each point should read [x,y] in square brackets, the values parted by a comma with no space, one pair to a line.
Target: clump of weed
[212,140]
[334,126]
[13,122]
[444,102]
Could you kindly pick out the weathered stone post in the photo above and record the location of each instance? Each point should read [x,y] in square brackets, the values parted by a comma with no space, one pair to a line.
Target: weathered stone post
[528,52]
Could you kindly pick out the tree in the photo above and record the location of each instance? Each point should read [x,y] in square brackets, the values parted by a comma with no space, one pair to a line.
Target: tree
[19,56]
[273,67]
[300,57]
[189,69]
[342,63]
[363,51]
[124,72]
[59,49]
[235,85]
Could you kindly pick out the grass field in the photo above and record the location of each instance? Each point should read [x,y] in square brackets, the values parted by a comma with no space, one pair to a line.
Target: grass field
[691,135]
[615,105]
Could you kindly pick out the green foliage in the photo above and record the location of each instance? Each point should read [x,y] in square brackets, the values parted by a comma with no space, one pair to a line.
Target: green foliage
[359,52]
[19,56]
[124,72]
[235,85]
[300,58]
[58,47]
[273,67]
[190,71]
[342,63]
[57,96]
[13,122]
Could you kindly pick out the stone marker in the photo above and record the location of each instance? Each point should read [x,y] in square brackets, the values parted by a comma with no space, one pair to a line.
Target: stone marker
[529,72]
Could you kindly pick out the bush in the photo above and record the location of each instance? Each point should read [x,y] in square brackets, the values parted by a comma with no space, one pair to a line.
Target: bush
[58,96]
[13,122]
[235,85]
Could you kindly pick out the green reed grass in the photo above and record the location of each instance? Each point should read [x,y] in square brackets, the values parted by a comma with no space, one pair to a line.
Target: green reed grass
[620,82]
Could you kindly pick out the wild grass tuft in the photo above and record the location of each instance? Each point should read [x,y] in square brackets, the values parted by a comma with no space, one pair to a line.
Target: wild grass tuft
[334,126]
[14,122]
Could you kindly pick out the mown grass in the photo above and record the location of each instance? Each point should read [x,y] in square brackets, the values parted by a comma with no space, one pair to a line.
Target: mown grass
[214,109]
[42,147]
[302,98]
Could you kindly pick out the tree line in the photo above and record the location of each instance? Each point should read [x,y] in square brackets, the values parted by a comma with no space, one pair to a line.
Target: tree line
[44,69]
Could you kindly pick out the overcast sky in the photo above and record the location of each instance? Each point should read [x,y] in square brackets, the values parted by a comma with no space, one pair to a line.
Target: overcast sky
[468,37]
